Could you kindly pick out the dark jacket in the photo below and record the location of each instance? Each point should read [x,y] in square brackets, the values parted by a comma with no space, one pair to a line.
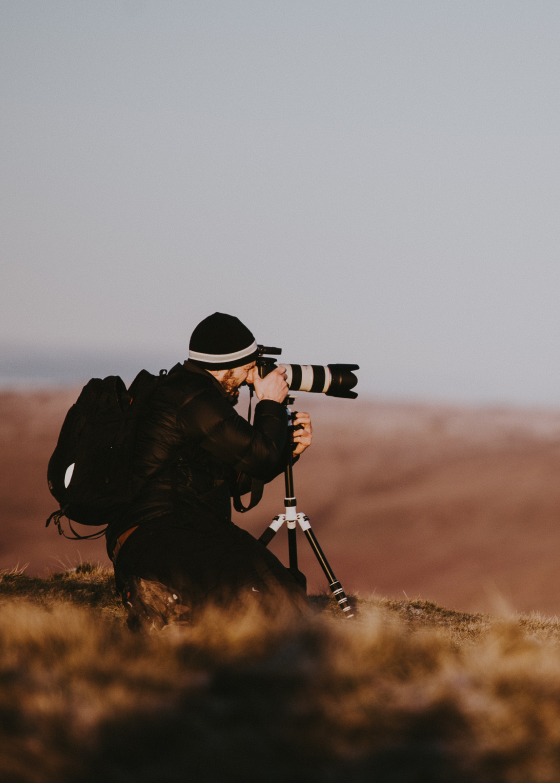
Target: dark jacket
[194,450]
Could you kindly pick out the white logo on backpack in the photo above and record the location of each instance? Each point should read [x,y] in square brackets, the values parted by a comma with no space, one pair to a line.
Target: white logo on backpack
[68,475]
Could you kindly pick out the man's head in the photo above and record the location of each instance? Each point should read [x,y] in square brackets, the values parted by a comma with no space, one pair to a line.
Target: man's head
[225,347]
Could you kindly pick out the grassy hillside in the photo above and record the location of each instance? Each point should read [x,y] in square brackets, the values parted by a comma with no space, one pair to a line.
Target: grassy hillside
[407,692]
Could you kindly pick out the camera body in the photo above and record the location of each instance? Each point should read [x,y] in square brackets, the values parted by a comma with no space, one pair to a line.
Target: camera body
[334,380]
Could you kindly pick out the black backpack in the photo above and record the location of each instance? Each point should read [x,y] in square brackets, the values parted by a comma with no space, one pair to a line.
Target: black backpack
[90,472]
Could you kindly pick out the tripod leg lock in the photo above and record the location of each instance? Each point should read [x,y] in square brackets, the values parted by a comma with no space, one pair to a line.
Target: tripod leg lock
[341,599]
[304,523]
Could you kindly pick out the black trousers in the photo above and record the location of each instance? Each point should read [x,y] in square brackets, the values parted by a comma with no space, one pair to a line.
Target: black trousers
[205,562]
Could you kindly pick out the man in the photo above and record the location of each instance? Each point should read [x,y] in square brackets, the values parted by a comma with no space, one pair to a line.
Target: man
[176,549]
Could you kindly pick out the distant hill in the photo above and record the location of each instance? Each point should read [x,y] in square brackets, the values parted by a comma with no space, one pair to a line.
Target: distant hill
[453,504]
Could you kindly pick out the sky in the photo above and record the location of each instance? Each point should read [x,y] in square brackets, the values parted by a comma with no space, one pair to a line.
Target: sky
[370,181]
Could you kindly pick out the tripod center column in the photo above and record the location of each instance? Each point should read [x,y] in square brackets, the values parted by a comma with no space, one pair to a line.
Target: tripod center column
[291,512]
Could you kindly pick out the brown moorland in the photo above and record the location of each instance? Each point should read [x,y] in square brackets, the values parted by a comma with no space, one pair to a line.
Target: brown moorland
[456,505]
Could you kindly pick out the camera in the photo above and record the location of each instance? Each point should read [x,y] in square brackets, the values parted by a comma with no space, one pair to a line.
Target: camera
[334,380]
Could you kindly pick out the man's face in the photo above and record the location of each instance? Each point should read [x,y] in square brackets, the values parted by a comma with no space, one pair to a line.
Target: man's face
[232,379]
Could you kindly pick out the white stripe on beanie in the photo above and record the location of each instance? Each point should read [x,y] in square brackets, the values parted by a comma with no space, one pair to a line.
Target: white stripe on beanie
[222,358]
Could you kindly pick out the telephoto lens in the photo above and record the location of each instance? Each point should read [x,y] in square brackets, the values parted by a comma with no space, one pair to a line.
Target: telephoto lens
[334,380]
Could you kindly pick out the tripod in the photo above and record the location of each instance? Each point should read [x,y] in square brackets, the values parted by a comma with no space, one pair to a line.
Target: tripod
[292,519]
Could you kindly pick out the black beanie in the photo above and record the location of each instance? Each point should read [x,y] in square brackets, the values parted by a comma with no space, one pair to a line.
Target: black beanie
[221,342]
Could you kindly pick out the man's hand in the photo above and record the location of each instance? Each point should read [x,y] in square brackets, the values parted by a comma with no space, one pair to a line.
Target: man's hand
[304,434]
[272,387]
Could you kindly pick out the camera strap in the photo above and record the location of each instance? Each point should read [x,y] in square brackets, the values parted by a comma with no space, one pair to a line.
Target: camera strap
[251,392]
[257,488]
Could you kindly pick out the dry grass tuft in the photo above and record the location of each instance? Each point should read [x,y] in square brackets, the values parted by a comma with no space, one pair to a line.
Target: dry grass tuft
[89,585]
[407,693]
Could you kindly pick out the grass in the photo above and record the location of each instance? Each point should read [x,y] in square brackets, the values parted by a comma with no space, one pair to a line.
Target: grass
[409,692]
[87,585]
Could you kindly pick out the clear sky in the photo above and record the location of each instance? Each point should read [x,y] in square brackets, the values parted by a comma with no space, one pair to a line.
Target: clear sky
[364,181]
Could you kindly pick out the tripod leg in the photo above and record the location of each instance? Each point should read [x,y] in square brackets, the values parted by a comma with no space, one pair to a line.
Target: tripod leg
[292,547]
[334,584]
[272,529]
[298,575]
